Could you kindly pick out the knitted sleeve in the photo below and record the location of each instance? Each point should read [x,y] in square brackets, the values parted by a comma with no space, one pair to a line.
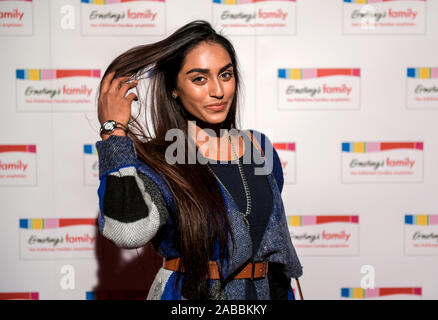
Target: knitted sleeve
[132,208]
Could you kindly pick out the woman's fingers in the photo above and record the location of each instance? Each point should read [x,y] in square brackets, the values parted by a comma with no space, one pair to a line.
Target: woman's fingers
[116,83]
[131,97]
[126,86]
[106,82]
[112,101]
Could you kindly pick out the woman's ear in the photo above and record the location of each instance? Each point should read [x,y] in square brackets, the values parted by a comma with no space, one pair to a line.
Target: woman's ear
[174,94]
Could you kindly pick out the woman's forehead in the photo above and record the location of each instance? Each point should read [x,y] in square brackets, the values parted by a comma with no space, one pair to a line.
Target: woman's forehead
[207,56]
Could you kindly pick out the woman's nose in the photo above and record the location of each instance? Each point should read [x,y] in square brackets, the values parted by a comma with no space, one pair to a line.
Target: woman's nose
[216,89]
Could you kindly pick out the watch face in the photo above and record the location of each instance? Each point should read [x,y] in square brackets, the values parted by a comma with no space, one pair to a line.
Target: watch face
[108,126]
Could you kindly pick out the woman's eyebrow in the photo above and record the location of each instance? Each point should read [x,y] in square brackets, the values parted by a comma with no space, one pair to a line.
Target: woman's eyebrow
[206,71]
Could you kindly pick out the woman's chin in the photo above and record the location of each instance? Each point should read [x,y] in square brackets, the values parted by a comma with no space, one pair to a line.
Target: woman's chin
[215,120]
[215,117]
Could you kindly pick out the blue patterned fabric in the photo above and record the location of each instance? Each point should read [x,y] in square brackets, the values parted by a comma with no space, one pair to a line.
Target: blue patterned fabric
[276,245]
[290,295]
[172,290]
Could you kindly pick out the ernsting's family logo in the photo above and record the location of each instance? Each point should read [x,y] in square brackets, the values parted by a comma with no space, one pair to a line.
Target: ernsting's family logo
[16,17]
[118,17]
[56,89]
[382,293]
[325,235]
[384,17]
[18,165]
[421,234]
[382,162]
[57,238]
[255,17]
[318,88]
[422,88]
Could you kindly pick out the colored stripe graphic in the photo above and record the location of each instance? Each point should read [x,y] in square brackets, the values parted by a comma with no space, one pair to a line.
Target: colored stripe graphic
[421,219]
[422,73]
[90,149]
[359,293]
[19,296]
[298,221]
[375,1]
[363,147]
[287,146]
[30,148]
[50,74]
[247,1]
[42,224]
[311,73]
[116,1]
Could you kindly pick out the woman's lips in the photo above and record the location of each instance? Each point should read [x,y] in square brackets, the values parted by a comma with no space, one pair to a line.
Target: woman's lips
[216,107]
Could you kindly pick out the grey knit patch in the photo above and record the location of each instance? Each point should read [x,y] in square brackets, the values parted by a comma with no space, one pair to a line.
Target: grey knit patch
[216,291]
[126,171]
[155,194]
[133,234]
[160,281]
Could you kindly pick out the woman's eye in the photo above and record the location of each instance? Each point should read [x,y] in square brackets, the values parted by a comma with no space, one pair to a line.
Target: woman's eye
[198,79]
[227,75]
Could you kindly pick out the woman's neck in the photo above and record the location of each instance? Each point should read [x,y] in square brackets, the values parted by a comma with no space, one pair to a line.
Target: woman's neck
[216,142]
[215,146]
[202,125]
[206,127]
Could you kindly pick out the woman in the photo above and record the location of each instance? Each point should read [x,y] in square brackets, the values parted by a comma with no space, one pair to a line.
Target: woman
[220,227]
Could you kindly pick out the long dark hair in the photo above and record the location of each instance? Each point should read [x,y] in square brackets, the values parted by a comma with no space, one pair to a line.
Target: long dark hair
[201,212]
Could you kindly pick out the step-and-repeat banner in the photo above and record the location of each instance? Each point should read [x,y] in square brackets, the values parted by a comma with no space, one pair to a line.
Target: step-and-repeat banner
[347,90]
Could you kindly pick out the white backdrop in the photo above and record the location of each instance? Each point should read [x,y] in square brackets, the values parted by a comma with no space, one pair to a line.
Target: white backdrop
[344,218]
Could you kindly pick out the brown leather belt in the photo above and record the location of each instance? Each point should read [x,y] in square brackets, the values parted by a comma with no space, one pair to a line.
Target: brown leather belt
[252,270]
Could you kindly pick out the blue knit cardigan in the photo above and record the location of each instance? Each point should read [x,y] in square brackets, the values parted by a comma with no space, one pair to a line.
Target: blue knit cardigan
[136,206]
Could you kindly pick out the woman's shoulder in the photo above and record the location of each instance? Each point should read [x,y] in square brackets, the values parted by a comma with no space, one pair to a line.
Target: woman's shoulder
[260,135]
[259,138]
[270,154]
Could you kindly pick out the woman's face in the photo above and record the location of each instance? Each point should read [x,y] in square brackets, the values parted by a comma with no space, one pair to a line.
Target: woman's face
[206,84]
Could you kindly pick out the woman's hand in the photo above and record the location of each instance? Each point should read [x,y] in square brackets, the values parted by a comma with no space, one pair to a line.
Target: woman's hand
[112,103]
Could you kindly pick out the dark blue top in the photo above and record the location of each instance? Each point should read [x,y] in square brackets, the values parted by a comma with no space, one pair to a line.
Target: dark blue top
[260,192]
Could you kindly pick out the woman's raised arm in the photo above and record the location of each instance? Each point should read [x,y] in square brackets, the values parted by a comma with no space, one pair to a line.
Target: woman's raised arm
[132,208]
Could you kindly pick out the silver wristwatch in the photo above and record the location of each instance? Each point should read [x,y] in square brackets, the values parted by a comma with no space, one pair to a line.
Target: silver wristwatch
[110,125]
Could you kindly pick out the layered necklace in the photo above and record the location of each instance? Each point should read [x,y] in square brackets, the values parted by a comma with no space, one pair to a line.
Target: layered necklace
[244,182]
